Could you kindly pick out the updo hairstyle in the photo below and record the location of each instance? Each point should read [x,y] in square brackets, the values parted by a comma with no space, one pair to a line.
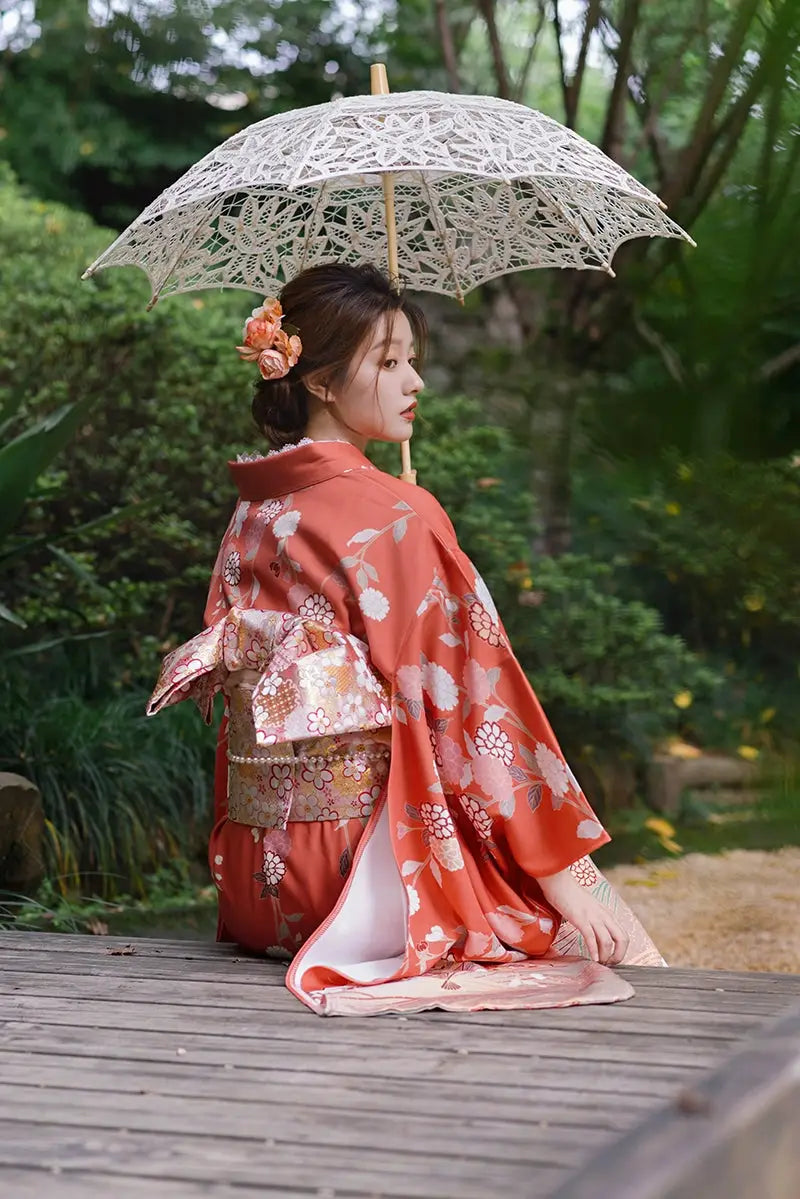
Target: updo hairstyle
[333,308]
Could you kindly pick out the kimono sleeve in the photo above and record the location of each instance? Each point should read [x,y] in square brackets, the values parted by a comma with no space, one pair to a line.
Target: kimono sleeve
[470,739]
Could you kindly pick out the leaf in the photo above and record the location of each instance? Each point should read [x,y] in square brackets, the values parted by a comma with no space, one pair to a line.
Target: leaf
[534,796]
[435,871]
[410,868]
[402,506]
[400,715]
[370,569]
[11,617]
[507,806]
[440,724]
[362,578]
[450,639]
[412,812]
[518,774]
[528,758]
[346,563]
[494,712]
[363,535]
[344,862]
[414,709]
[399,530]
[78,569]
[25,458]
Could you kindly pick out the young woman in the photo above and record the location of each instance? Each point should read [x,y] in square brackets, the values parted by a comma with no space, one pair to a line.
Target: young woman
[392,806]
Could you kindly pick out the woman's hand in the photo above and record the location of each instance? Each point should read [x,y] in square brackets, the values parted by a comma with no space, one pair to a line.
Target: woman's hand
[605,938]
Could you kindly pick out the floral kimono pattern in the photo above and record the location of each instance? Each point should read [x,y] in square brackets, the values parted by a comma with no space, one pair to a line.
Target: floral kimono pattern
[393,748]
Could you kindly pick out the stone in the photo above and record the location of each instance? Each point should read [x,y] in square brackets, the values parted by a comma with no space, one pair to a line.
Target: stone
[22,865]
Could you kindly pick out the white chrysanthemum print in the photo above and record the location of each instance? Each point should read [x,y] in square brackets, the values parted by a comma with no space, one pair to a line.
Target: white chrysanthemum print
[373,603]
[274,868]
[318,722]
[554,772]
[437,820]
[479,818]
[232,570]
[490,739]
[583,870]
[484,626]
[413,900]
[448,853]
[317,607]
[440,685]
[269,509]
[485,596]
[286,524]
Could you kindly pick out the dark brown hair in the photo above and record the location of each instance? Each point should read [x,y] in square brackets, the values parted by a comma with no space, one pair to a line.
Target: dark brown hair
[334,308]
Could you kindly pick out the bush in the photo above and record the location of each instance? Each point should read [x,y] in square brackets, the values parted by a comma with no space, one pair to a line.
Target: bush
[170,406]
[122,794]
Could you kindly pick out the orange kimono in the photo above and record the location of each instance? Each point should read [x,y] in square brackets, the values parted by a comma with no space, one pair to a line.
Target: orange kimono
[388,787]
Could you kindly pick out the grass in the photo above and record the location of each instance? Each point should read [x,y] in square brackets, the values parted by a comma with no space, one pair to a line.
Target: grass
[771,823]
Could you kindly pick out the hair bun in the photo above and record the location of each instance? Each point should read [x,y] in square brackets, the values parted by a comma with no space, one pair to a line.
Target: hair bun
[280,410]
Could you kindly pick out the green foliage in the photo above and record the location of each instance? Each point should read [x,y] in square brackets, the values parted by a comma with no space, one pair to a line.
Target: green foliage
[121,793]
[167,397]
[104,106]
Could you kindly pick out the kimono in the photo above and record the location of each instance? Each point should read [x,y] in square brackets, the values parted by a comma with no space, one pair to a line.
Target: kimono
[388,789]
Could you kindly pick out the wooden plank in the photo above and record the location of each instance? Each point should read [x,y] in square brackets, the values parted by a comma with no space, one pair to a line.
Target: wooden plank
[443,1074]
[444,1071]
[223,973]
[514,1105]
[736,1132]
[62,1183]
[247,997]
[630,1043]
[279,1169]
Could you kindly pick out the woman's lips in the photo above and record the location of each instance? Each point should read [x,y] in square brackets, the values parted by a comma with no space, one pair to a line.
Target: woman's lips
[408,412]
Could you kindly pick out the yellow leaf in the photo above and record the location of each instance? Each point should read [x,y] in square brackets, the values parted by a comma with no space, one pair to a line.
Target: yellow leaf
[682,749]
[659,826]
[754,602]
[683,699]
[670,844]
[748,752]
[767,715]
[526,583]
[641,882]
[672,509]
[685,472]
[86,148]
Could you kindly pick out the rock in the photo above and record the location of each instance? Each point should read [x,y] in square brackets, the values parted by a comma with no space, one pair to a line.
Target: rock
[22,865]
[668,777]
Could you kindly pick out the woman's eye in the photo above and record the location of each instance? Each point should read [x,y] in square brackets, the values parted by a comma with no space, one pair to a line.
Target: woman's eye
[389,363]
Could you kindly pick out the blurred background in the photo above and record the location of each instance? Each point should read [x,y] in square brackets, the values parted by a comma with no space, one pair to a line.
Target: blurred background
[621,458]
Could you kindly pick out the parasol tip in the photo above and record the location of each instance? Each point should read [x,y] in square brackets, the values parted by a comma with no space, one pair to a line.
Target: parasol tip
[378,79]
[87,274]
[611,273]
[153,302]
[690,240]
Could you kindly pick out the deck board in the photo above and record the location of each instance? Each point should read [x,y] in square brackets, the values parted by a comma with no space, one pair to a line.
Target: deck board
[187,1069]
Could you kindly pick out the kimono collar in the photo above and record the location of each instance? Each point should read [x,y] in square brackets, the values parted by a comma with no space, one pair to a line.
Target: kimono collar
[295,468]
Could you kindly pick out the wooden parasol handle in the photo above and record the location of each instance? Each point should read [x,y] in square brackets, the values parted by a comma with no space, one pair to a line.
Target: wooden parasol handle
[379,83]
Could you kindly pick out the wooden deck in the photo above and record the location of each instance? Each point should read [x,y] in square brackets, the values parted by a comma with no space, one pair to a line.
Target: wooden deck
[185,1069]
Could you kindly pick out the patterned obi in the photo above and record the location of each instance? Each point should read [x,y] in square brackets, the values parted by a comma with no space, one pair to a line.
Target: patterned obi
[309,734]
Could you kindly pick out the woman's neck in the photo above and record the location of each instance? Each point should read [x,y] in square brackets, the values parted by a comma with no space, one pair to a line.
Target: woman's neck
[323,425]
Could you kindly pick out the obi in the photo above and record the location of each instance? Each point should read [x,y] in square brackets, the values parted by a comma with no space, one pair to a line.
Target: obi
[309,732]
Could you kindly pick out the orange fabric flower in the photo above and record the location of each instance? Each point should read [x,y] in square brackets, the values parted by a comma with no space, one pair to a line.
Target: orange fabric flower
[265,342]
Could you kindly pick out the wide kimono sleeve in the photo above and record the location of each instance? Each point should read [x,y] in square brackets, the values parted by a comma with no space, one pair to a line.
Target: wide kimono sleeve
[481,800]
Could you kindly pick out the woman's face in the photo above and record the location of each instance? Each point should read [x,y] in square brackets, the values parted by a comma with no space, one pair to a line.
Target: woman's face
[377,401]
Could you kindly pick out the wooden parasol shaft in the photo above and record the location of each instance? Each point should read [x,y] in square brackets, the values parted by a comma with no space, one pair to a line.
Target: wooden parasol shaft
[380,87]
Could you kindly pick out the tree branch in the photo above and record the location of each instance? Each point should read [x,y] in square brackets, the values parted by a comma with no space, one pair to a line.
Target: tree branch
[522,80]
[571,88]
[448,47]
[702,136]
[486,8]
[611,142]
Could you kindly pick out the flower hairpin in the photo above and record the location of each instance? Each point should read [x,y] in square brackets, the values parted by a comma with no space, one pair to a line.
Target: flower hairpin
[267,343]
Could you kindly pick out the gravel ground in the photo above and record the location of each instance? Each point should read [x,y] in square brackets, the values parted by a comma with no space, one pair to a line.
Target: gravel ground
[731,911]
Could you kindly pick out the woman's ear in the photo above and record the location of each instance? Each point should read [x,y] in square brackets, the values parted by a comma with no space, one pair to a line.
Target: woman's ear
[316,384]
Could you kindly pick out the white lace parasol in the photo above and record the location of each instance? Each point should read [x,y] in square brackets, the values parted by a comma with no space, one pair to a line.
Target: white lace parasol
[482,187]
